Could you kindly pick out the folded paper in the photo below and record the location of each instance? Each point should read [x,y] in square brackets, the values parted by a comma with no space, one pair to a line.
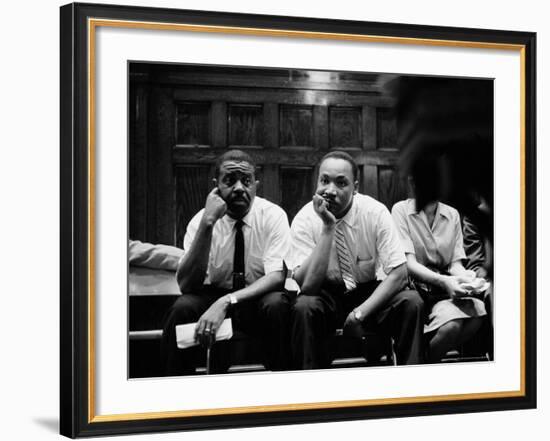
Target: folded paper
[185,334]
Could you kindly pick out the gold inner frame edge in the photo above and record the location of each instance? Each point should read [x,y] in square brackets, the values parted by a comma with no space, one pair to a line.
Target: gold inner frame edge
[92,24]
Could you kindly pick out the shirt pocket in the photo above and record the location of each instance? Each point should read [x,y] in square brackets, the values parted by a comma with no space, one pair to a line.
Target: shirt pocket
[254,266]
[366,268]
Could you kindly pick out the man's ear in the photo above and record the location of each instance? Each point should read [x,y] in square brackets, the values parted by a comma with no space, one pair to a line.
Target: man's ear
[355,187]
[215,181]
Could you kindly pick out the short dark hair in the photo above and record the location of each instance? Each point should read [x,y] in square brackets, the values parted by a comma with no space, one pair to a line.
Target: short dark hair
[337,154]
[234,155]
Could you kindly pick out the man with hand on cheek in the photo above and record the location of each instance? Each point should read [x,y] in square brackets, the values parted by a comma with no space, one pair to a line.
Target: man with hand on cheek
[337,242]
[232,266]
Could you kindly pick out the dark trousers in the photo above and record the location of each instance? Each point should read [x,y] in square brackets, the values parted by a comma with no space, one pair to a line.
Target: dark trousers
[314,318]
[266,317]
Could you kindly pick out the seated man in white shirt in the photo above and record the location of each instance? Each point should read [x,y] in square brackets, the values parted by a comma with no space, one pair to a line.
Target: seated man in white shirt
[337,242]
[232,266]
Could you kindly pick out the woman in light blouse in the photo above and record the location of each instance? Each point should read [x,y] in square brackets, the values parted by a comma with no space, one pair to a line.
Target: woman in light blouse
[433,244]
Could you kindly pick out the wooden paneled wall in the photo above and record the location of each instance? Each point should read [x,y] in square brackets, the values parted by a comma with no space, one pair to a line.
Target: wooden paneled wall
[183,117]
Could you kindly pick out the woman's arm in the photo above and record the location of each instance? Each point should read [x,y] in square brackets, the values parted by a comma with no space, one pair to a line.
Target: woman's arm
[449,284]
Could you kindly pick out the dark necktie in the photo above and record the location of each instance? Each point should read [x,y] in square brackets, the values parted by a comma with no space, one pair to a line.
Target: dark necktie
[344,259]
[238,258]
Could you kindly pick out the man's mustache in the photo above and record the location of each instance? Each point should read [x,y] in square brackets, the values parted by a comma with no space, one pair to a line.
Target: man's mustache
[242,197]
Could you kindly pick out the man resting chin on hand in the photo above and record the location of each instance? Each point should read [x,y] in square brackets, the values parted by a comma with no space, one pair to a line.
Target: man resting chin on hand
[337,240]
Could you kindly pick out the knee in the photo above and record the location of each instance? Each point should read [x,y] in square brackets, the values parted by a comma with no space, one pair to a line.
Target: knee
[274,303]
[411,302]
[473,324]
[306,307]
[181,311]
[450,331]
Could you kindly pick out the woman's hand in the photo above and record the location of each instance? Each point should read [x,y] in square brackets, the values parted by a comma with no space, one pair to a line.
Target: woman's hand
[451,285]
[467,276]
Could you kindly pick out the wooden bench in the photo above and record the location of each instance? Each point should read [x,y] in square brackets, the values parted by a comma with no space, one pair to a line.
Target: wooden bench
[245,352]
[152,292]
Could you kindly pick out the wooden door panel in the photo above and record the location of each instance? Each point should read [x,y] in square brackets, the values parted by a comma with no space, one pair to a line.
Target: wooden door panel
[193,183]
[345,127]
[269,187]
[296,188]
[139,192]
[391,186]
[285,128]
[386,129]
[369,122]
[246,125]
[193,123]
[296,126]
[160,180]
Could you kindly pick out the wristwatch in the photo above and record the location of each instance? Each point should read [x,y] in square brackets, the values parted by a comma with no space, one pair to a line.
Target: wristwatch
[232,299]
[357,314]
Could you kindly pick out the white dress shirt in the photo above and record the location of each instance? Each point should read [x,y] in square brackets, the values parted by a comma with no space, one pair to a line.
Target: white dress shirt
[369,233]
[436,247]
[266,243]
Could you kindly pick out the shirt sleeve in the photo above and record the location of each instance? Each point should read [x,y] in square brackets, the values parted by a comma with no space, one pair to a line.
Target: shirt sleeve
[302,242]
[191,231]
[458,251]
[278,243]
[388,246]
[473,245]
[399,215]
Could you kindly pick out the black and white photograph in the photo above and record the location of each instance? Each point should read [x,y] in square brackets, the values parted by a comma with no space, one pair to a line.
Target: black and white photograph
[297,219]
[273,220]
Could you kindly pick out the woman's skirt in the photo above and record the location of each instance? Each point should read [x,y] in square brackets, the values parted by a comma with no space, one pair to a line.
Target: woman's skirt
[442,310]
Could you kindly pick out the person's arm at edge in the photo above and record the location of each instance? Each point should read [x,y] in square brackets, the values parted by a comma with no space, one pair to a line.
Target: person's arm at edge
[456,268]
[474,247]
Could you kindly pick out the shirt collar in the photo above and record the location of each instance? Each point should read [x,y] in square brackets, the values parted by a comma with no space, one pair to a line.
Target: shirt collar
[349,218]
[444,210]
[441,209]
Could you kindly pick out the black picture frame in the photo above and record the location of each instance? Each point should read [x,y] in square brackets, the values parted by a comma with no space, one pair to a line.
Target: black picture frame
[77,417]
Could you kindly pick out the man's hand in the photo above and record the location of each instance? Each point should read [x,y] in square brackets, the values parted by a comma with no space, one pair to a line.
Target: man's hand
[320,205]
[451,285]
[353,327]
[214,208]
[210,322]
